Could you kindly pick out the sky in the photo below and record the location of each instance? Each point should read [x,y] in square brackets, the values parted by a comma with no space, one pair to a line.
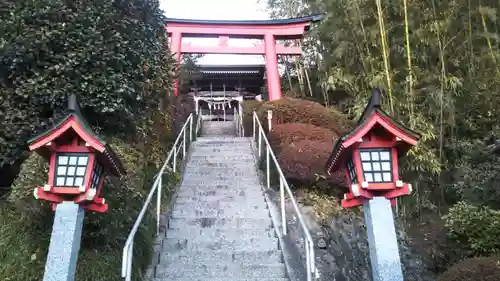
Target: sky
[218,10]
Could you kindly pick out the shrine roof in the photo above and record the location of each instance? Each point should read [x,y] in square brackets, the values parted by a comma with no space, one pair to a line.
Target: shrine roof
[311,18]
[111,156]
[229,69]
[373,108]
[85,125]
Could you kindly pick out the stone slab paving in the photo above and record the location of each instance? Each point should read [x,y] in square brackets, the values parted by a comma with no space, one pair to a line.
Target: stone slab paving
[219,228]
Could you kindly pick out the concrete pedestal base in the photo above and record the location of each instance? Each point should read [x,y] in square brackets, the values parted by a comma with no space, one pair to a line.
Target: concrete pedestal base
[382,239]
[64,243]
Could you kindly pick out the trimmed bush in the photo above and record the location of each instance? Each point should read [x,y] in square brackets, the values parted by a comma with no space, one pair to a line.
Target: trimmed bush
[284,135]
[477,228]
[304,162]
[288,110]
[474,269]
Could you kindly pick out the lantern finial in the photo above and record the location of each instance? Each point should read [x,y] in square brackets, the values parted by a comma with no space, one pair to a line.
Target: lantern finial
[376,98]
[73,104]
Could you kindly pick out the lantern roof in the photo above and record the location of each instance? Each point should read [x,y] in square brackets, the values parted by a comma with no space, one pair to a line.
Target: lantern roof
[74,121]
[373,115]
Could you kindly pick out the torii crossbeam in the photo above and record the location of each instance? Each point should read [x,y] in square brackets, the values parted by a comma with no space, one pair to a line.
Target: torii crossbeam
[268,30]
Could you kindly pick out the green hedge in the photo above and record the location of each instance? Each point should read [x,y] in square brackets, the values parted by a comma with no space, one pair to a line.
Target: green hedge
[112,54]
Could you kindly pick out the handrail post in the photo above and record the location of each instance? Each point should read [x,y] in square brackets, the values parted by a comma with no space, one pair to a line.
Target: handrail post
[158,204]
[129,262]
[268,168]
[253,125]
[174,164]
[283,214]
[308,260]
[191,128]
[184,143]
[260,142]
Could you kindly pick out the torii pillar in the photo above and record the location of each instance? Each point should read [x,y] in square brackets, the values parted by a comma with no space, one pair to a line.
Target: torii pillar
[269,30]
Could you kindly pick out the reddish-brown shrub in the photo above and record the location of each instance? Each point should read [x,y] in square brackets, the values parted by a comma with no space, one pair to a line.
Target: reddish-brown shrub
[474,269]
[283,135]
[289,110]
[305,160]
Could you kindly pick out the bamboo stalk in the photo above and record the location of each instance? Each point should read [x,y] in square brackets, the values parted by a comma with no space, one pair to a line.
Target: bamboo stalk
[408,55]
[490,47]
[358,10]
[441,98]
[385,54]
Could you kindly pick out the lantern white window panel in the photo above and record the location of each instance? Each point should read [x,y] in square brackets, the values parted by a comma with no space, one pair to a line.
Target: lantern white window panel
[376,164]
[352,172]
[96,176]
[70,169]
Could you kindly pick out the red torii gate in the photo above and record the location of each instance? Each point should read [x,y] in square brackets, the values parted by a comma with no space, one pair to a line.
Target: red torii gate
[269,30]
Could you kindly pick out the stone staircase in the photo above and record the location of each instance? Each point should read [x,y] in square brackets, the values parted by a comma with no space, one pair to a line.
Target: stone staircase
[220,228]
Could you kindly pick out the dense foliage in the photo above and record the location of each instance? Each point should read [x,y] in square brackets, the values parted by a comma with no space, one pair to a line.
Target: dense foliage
[474,269]
[475,228]
[112,54]
[438,61]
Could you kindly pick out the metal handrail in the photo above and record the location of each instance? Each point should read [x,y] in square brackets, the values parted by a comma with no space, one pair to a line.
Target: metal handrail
[178,146]
[309,244]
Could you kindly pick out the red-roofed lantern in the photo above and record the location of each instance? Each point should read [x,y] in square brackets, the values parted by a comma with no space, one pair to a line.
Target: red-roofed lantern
[79,159]
[370,153]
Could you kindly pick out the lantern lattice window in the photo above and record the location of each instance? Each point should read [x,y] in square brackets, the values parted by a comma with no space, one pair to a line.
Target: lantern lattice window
[352,172]
[377,164]
[70,169]
[96,175]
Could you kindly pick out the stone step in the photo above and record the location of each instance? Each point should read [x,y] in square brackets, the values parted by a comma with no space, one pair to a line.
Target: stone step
[221,279]
[232,270]
[223,147]
[226,244]
[250,206]
[183,213]
[221,173]
[233,154]
[212,157]
[217,197]
[228,150]
[210,222]
[201,257]
[220,181]
[225,139]
[217,209]
[216,167]
[247,194]
[220,185]
[222,162]
[211,233]
[221,166]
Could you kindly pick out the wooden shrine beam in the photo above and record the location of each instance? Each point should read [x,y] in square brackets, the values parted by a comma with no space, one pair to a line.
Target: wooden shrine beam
[289,32]
[257,50]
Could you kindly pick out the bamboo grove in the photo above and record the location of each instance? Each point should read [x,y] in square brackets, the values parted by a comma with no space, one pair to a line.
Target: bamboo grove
[438,63]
